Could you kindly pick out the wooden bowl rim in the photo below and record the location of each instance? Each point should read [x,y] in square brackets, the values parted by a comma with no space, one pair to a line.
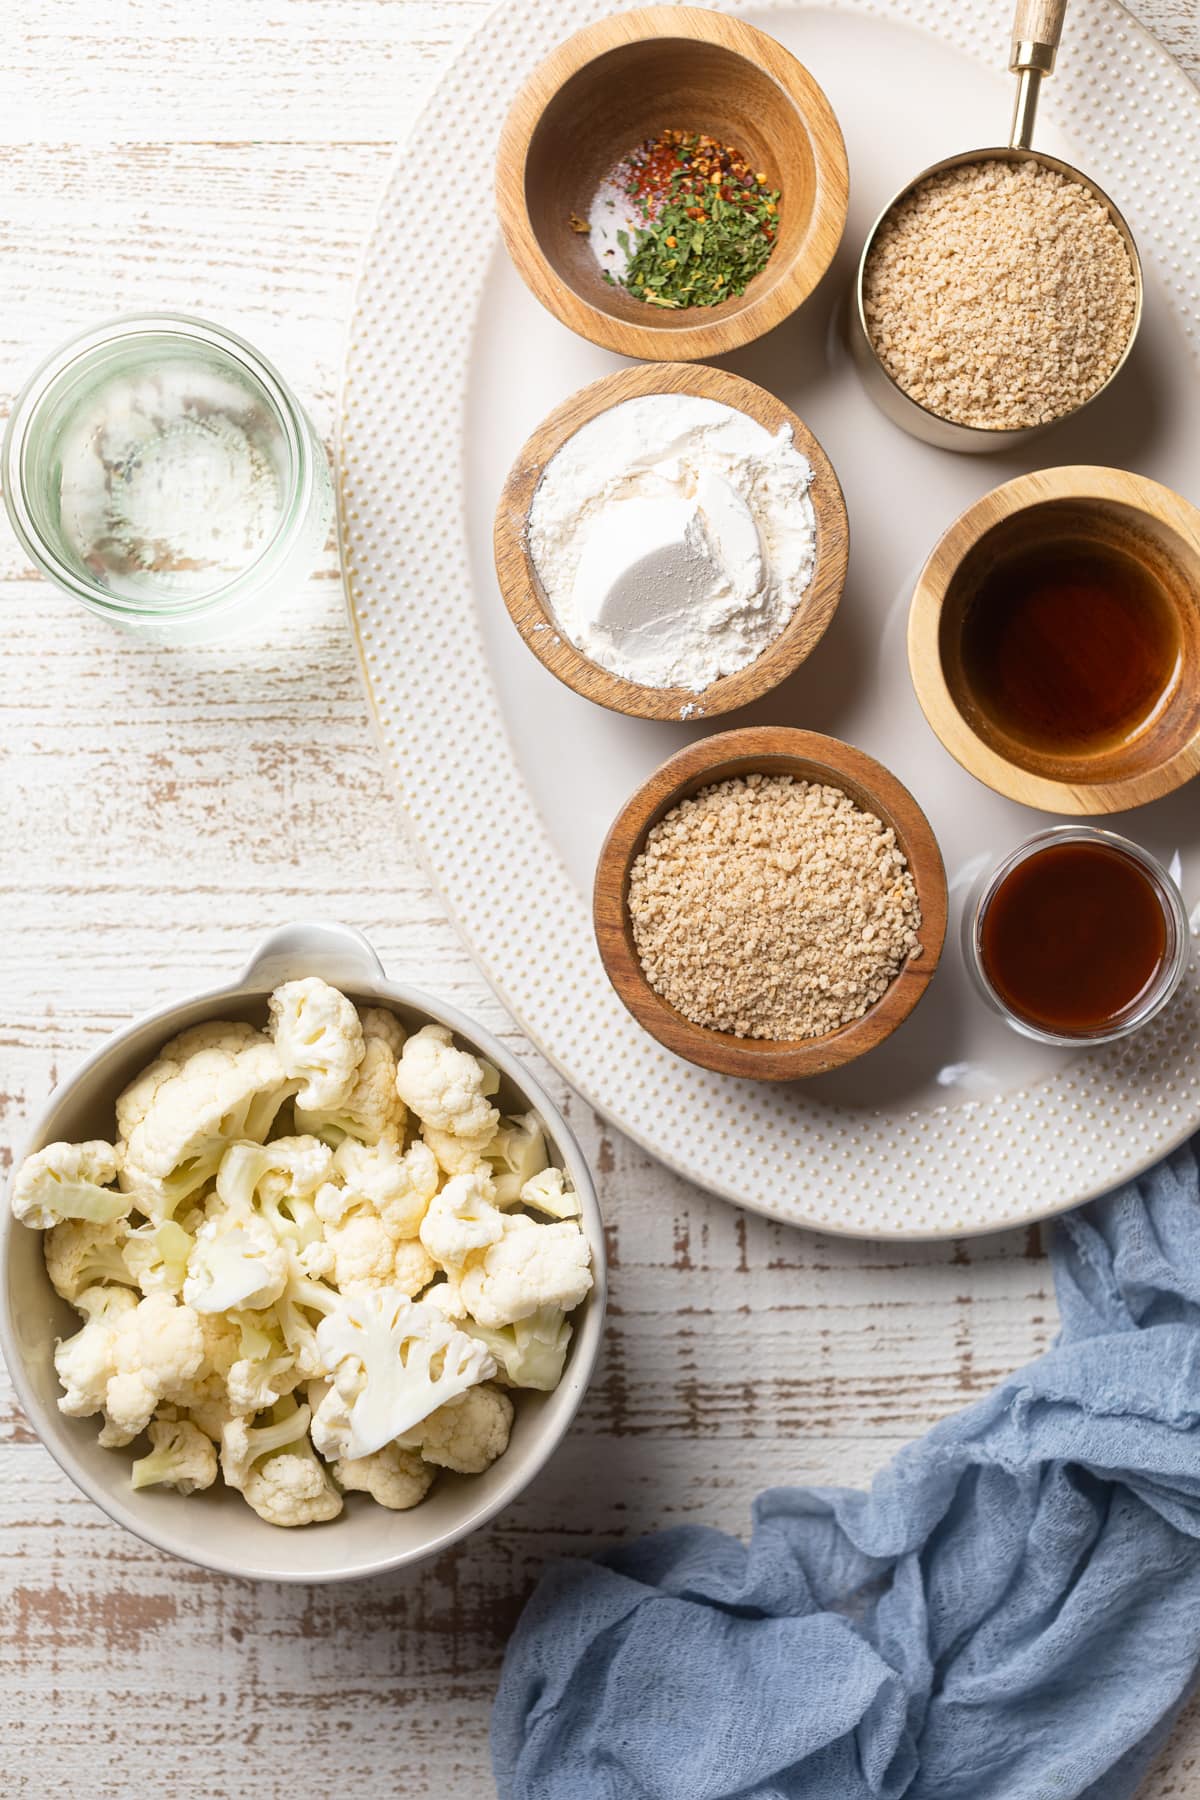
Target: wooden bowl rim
[814,253]
[522,592]
[770,748]
[1078,481]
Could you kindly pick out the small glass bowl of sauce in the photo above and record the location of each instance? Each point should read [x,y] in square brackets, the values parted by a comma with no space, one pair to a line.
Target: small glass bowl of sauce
[1078,937]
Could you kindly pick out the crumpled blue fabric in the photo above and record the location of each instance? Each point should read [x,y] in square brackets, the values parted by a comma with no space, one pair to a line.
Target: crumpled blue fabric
[1011,1613]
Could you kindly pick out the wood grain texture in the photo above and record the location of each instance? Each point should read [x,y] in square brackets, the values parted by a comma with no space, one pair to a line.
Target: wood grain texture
[1111,508]
[525,598]
[159,812]
[617,84]
[1039,22]
[805,756]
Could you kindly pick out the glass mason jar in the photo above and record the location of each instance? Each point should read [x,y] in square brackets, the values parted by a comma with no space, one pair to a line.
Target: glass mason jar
[1157,993]
[160,471]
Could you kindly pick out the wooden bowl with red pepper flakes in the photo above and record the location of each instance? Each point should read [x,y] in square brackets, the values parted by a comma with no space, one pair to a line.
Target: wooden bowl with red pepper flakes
[726,170]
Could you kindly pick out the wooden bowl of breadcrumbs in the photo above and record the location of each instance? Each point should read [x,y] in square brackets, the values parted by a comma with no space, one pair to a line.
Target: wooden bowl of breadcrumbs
[770,904]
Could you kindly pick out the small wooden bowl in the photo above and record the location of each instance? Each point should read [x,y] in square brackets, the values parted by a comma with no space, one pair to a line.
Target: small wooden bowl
[766,750]
[626,79]
[526,601]
[1108,507]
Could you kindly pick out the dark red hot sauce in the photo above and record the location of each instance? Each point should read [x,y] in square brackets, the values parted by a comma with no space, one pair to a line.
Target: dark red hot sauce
[1073,937]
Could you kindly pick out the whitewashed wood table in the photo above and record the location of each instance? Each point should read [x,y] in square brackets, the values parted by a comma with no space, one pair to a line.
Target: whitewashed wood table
[159,811]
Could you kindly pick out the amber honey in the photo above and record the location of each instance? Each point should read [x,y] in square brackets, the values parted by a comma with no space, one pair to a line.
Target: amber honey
[1071,648]
[1074,938]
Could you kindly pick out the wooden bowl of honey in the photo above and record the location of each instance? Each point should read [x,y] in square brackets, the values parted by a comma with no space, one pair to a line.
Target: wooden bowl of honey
[1054,640]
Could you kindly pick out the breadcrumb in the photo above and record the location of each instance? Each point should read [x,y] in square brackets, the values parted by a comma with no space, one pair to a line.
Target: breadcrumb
[772,908]
[999,294]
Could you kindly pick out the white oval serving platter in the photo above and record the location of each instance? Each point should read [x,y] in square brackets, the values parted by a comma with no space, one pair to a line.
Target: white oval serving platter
[509,780]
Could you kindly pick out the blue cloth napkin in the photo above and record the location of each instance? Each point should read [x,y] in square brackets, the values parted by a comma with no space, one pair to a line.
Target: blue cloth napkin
[1011,1613]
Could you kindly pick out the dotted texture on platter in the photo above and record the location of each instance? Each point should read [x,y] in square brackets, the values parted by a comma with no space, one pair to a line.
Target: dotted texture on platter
[972,1166]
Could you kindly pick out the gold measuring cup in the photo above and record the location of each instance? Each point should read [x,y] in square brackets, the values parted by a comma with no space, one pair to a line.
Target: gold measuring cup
[1037,28]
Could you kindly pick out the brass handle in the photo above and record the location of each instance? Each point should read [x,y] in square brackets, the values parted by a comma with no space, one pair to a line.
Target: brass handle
[1037,27]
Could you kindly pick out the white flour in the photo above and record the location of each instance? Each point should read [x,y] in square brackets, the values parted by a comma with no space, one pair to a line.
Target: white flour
[674,538]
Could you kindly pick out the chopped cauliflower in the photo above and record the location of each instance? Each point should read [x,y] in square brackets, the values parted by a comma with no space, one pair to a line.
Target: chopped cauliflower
[446,1087]
[279,1181]
[530,1352]
[264,1369]
[237,1261]
[461,1219]
[549,1193]
[319,1038]
[292,1488]
[80,1255]
[467,1434]
[273,1467]
[455,1155]
[157,1256]
[68,1181]
[394,1477]
[365,1254]
[181,1457]
[398,1183]
[377,1022]
[529,1267]
[130,1356]
[393,1362]
[209,1086]
[515,1155]
[373,1105]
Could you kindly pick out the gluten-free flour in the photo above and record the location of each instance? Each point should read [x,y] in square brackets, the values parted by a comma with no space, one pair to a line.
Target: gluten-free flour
[674,538]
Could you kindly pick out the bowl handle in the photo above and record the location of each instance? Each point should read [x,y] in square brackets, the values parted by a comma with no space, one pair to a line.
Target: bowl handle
[340,955]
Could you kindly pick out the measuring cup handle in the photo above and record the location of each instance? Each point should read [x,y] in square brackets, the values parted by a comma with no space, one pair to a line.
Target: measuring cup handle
[1037,28]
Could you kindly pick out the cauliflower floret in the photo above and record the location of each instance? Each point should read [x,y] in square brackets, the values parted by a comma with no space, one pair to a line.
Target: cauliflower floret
[68,1181]
[277,1180]
[158,1350]
[399,1184]
[157,1256]
[549,1193]
[365,1254]
[300,1298]
[377,1022]
[455,1155]
[531,1352]
[446,1297]
[446,1087]
[214,1084]
[237,1261]
[264,1369]
[86,1363]
[392,1476]
[467,1434]
[292,1488]
[530,1266]
[461,1219]
[181,1457]
[243,1443]
[81,1255]
[393,1362]
[515,1155]
[273,1467]
[319,1039]
[130,1356]
[372,1106]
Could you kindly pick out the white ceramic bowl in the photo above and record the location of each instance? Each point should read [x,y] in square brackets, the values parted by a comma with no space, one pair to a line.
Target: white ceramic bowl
[217,1528]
